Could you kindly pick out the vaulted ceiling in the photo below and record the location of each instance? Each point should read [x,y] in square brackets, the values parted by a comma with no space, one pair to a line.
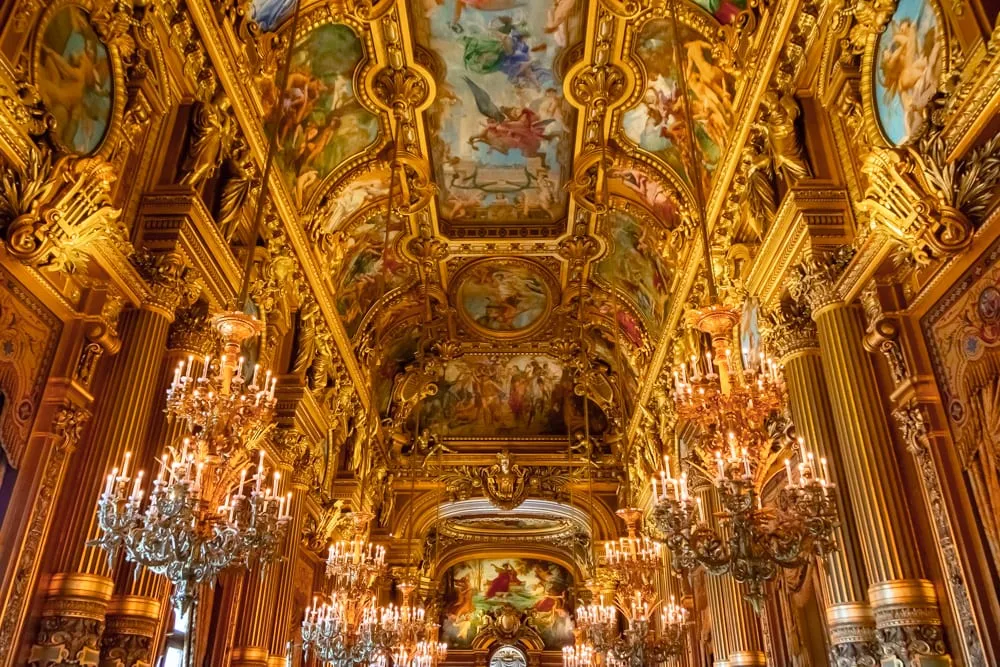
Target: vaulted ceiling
[532,153]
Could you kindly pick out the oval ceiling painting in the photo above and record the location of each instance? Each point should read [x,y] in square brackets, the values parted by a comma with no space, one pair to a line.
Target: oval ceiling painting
[504,297]
[908,60]
[75,81]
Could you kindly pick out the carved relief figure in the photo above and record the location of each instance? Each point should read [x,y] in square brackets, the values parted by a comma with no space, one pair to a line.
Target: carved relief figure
[212,133]
[787,152]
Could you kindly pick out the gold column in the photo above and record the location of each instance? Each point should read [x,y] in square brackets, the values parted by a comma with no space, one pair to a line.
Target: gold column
[253,623]
[850,621]
[138,611]
[281,629]
[903,602]
[736,634]
[126,396]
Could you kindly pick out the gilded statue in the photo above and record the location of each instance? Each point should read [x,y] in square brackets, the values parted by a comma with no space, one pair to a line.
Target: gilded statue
[760,204]
[428,445]
[305,344]
[787,153]
[212,134]
[237,190]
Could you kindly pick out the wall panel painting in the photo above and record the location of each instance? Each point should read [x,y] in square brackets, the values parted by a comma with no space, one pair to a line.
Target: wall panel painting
[908,61]
[500,130]
[657,123]
[75,81]
[539,588]
[963,337]
[322,121]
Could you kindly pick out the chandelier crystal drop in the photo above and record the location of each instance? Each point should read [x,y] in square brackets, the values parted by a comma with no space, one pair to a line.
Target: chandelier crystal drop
[735,454]
[197,520]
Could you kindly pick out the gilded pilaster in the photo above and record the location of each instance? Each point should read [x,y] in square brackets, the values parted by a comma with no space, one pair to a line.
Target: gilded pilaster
[281,628]
[850,621]
[902,601]
[736,633]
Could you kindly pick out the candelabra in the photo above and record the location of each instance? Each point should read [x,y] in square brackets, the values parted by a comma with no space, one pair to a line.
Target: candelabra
[642,642]
[196,521]
[354,566]
[756,540]
[220,405]
[340,632]
[407,633]
[634,560]
[732,410]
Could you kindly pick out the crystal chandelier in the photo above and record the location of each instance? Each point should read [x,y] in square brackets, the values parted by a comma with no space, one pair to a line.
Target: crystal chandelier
[731,411]
[408,633]
[197,521]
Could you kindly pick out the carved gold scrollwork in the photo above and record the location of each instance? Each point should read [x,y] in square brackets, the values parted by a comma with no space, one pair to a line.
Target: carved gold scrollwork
[54,215]
[928,205]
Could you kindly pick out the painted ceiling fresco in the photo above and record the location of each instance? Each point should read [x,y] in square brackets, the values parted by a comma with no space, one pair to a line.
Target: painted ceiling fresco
[657,122]
[500,131]
[323,123]
[497,139]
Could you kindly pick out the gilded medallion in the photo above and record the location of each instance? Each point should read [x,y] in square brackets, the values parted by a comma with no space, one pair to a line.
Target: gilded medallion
[504,297]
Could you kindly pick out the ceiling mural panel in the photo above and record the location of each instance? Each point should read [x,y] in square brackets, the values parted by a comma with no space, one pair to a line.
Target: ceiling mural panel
[504,297]
[500,131]
[508,395]
[636,267]
[475,588]
[656,123]
[371,267]
[323,122]
[268,14]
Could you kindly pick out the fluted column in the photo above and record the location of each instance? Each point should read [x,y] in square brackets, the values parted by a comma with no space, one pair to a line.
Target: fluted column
[285,585]
[251,644]
[139,608]
[736,633]
[903,602]
[126,398]
[850,622]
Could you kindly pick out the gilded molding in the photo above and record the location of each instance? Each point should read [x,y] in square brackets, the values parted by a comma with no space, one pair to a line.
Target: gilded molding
[914,428]
[814,280]
[792,331]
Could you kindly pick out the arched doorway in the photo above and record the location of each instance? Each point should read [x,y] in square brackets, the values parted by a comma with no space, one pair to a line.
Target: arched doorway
[508,656]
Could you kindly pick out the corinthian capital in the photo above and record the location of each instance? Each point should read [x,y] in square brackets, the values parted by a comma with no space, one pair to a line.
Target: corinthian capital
[170,281]
[792,330]
[813,282]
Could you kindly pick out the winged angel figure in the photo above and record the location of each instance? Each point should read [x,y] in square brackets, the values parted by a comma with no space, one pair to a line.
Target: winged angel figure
[509,128]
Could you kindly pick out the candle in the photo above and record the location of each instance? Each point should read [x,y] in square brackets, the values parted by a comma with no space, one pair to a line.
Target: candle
[288,512]
[187,371]
[277,476]
[695,371]
[788,470]
[802,478]
[163,468]
[701,509]
[243,478]
[136,484]
[281,506]
[826,472]
[708,358]
[656,496]
[684,486]
[666,466]
[109,487]
[718,461]
[204,369]
[260,471]
[197,479]
[128,455]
